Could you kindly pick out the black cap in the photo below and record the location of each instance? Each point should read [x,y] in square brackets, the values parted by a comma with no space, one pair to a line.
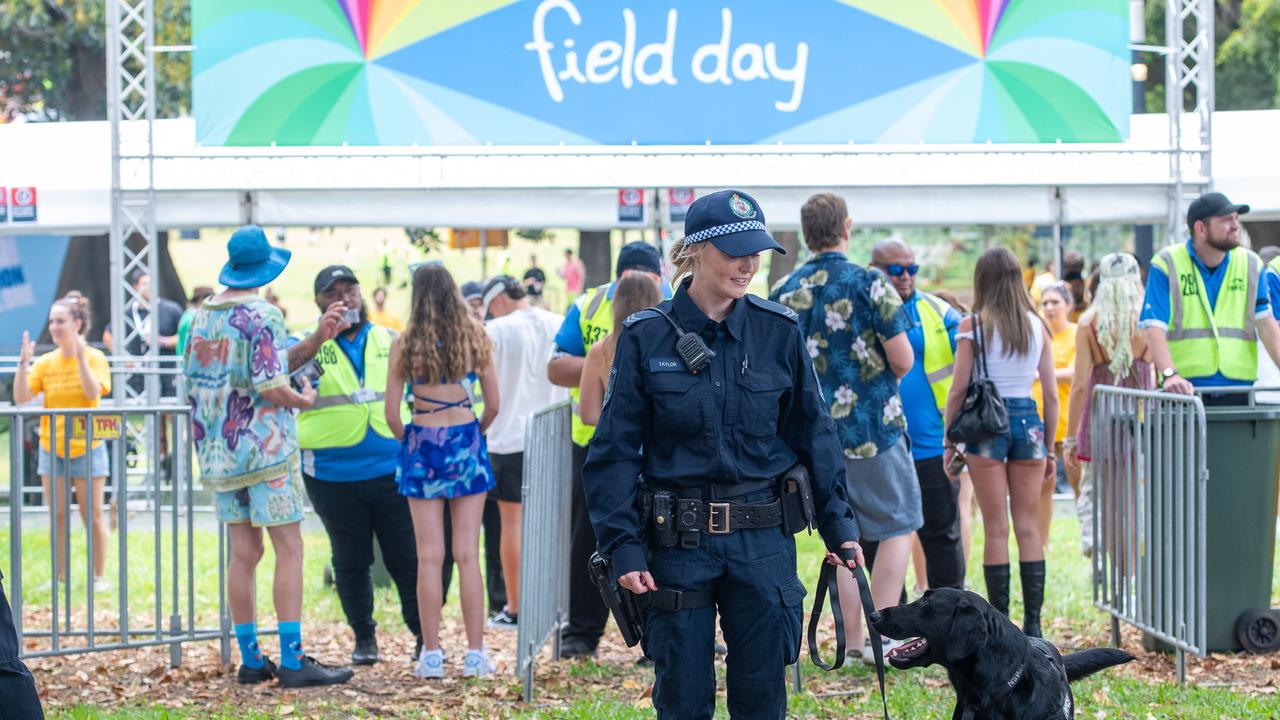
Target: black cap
[732,221]
[1210,205]
[472,291]
[638,256]
[332,274]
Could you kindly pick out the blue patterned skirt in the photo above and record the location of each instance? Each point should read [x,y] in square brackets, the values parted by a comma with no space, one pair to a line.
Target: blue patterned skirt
[443,462]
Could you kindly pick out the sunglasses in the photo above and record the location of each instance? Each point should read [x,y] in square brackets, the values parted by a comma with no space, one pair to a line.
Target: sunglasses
[896,270]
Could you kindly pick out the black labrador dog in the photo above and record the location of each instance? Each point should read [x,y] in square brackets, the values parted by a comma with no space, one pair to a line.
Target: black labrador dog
[998,672]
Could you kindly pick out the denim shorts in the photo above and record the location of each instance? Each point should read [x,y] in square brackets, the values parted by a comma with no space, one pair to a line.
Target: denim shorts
[1023,441]
[91,464]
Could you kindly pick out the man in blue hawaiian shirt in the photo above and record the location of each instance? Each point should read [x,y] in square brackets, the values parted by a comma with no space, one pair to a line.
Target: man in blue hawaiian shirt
[857,336]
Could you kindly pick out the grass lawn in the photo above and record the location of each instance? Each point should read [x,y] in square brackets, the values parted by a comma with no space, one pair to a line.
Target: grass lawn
[612,686]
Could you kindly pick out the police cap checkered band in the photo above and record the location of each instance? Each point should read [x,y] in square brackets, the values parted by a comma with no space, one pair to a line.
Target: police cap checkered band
[718,230]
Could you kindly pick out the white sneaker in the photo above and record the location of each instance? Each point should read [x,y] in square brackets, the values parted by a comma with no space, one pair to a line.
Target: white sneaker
[102,586]
[478,664]
[869,655]
[430,664]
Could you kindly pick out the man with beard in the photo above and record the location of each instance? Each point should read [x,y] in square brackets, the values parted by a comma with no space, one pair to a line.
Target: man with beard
[349,456]
[1206,307]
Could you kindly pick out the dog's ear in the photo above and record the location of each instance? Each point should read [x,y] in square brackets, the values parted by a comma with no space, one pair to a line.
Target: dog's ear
[968,631]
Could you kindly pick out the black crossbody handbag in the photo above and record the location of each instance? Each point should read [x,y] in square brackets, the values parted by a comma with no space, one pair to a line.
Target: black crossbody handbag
[983,414]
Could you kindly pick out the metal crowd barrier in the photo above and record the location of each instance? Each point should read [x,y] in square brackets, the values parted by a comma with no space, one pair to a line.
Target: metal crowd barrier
[545,538]
[1149,515]
[63,622]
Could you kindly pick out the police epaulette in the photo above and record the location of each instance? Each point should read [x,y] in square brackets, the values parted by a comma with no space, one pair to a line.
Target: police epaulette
[773,307]
[636,317]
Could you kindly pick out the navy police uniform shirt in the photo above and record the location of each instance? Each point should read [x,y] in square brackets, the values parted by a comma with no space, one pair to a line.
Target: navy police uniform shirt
[748,416]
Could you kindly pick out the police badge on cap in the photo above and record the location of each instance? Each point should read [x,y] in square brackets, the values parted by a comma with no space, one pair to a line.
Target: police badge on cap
[732,221]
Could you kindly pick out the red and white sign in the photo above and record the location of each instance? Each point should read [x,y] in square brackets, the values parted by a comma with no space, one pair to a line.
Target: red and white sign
[22,201]
[631,205]
[4,204]
[678,202]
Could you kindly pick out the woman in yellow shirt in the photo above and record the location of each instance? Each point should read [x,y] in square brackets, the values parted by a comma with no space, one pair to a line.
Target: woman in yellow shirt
[379,315]
[72,376]
[1055,305]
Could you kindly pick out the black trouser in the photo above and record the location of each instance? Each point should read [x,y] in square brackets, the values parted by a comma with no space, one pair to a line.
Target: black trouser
[354,513]
[587,612]
[940,534]
[494,585]
[18,694]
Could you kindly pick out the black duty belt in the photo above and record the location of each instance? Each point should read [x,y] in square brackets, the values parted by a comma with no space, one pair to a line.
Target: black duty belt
[681,516]
[722,518]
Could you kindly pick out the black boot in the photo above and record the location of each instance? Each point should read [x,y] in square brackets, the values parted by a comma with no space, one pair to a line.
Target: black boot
[997,577]
[1032,596]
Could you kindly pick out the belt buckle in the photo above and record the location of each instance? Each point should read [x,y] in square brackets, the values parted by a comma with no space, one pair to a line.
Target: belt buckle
[720,511]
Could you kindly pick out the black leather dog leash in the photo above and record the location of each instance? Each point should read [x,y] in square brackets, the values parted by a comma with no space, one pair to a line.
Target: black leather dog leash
[827,586]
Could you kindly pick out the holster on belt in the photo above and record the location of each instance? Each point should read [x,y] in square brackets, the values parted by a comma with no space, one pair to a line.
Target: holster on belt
[796,491]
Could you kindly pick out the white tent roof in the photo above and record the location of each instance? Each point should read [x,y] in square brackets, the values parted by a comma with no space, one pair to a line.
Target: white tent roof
[69,164]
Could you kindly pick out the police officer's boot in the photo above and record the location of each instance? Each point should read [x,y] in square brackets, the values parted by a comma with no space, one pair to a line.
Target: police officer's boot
[997,577]
[1032,596]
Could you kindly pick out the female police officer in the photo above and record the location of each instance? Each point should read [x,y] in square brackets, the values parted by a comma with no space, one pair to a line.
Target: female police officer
[711,400]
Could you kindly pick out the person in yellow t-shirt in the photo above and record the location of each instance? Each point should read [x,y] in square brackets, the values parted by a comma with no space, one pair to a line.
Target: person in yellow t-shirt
[378,314]
[1055,305]
[72,376]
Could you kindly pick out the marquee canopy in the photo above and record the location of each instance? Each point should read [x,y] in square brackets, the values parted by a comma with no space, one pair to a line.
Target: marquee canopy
[69,164]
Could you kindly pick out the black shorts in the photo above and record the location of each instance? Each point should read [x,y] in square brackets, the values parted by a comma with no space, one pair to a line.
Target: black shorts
[508,475]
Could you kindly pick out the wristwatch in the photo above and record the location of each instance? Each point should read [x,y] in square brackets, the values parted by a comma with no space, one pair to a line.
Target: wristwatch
[1167,373]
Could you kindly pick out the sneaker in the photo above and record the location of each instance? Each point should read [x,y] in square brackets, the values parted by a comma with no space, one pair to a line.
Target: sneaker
[869,655]
[252,676]
[430,664]
[366,652]
[313,673]
[102,586]
[504,621]
[478,664]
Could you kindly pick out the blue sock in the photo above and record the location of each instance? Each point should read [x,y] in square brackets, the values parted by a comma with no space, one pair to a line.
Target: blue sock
[291,645]
[247,638]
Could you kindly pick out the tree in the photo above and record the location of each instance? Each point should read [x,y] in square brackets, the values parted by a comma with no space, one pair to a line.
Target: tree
[1247,55]
[53,59]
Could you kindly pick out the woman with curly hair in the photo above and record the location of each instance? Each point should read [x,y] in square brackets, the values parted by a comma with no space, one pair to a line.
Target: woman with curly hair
[1110,351]
[443,454]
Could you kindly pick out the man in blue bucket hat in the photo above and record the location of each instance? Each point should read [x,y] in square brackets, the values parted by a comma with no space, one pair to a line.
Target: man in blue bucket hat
[242,420]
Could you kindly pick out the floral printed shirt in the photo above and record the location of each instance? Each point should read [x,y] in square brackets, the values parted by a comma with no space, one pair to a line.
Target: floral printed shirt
[844,309]
[235,352]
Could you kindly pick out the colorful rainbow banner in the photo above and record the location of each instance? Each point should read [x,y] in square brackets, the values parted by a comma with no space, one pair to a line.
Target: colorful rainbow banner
[546,72]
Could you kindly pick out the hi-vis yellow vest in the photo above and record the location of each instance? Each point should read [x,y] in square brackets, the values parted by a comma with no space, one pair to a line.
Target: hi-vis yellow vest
[1224,338]
[595,320]
[939,358]
[344,408]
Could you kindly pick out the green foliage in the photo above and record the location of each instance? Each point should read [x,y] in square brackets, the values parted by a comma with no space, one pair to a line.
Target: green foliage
[1249,59]
[425,239]
[53,59]
[1247,64]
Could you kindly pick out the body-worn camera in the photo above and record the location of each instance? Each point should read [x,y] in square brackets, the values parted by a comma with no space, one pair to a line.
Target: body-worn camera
[307,374]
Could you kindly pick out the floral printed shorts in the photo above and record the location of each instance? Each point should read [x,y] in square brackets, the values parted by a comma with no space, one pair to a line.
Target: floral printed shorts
[277,501]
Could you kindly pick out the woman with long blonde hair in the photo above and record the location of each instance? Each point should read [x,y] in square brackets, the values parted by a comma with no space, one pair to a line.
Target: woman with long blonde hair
[1109,351]
[1008,469]
[635,292]
[443,455]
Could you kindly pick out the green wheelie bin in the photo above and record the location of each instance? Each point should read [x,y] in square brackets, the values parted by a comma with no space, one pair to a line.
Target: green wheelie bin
[1243,458]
